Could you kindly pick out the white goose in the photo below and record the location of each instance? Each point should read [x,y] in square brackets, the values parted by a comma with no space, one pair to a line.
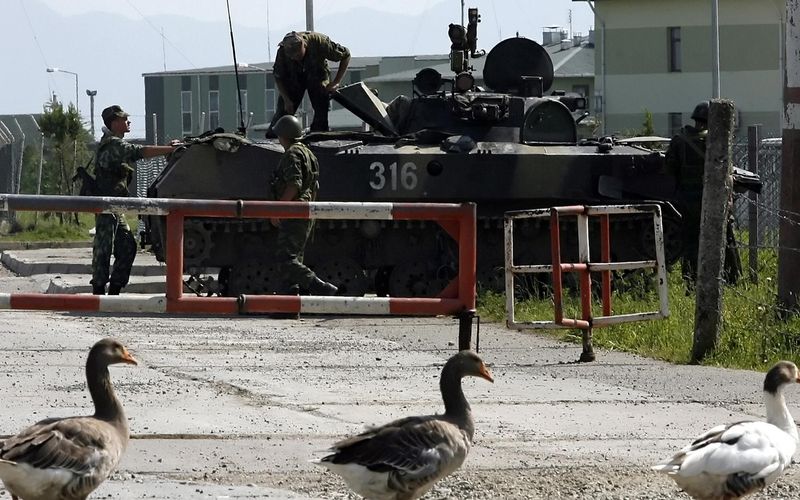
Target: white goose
[404,458]
[732,461]
[68,458]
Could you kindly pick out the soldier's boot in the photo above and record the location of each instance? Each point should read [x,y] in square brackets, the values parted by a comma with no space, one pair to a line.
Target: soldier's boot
[319,287]
[114,289]
[98,289]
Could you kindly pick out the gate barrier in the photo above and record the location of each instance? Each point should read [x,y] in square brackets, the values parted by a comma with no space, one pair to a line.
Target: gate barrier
[585,267]
[458,220]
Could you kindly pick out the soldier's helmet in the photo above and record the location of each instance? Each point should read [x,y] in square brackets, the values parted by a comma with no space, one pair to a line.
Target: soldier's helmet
[288,126]
[700,112]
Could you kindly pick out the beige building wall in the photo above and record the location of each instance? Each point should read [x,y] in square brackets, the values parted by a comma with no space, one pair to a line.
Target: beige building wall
[637,60]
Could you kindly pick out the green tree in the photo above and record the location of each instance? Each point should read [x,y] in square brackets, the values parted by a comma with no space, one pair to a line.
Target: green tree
[647,124]
[65,147]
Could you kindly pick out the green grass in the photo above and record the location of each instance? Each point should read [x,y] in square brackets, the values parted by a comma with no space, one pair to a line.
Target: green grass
[50,228]
[753,335]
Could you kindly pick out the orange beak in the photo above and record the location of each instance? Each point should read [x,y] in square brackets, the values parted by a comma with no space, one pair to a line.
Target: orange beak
[128,358]
[485,373]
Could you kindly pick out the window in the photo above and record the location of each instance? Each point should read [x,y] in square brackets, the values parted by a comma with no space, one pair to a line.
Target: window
[674,55]
[242,105]
[186,112]
[213,109]
[270,98]
[675,123]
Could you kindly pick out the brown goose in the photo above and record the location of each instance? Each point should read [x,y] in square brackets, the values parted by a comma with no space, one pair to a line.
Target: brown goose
[67,458]
[403,459]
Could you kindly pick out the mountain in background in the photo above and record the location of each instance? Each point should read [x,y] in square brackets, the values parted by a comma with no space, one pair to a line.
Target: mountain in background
[110,52]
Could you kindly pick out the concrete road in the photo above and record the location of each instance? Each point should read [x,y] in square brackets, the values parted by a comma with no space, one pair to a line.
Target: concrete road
[235,407]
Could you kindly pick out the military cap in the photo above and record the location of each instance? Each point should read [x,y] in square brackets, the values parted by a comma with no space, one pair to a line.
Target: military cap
[112,112]
[291,43]
[700,112]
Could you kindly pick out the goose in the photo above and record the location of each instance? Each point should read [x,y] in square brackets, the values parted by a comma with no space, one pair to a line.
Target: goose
[732,461]
[404,458]
[67,458]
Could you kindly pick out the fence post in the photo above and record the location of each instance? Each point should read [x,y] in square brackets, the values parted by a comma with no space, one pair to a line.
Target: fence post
[753,141]
[713,221]
[789,232]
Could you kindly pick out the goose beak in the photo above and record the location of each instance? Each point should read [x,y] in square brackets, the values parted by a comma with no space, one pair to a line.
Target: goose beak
[128,358]
[485,373]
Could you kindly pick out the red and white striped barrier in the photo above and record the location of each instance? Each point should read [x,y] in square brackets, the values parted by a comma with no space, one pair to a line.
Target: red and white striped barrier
[458,220]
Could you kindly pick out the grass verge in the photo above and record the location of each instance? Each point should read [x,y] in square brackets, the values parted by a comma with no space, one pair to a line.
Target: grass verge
[48,227]
[752,336]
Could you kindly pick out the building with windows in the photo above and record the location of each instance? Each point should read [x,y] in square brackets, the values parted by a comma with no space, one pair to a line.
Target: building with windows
[655,55]
[189,102]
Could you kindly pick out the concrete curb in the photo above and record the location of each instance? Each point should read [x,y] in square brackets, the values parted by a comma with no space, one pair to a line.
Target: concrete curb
[25,266]
[35,245]
[79,283]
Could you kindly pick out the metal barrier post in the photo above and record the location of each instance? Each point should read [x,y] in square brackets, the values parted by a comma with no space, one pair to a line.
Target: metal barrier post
[174,247]
[586,287]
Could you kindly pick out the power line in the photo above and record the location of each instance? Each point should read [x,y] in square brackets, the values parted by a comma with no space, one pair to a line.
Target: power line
[38,46]
[160,33]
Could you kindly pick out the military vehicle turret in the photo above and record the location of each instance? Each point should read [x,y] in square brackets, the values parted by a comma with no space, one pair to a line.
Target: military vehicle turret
[507,146]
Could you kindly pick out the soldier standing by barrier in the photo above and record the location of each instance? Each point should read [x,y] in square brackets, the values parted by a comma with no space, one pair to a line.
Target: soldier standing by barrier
[301,64]
[295,179]
[685,159]
[114,166]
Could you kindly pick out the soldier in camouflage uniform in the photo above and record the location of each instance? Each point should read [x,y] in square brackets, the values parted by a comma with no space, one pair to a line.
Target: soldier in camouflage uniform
[295,179]
[685,159]
[114,165]
[301,64]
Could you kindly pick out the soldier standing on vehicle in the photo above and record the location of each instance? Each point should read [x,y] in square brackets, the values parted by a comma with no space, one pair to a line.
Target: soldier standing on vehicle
[114,165]
[295,179]
[685,159]
[301,64]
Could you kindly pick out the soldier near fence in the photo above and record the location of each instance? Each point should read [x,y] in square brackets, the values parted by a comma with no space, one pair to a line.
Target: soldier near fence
[685,159]
[301,65]
[295,179]
[115,161]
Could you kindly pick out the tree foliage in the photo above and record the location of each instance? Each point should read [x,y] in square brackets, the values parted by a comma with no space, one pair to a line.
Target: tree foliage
[65,147]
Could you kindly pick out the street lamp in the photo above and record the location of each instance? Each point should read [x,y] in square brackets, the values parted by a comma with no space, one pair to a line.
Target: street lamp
[91,94]
[59,70]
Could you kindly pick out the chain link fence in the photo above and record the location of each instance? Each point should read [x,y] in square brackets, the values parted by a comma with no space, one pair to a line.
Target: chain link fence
[768,201]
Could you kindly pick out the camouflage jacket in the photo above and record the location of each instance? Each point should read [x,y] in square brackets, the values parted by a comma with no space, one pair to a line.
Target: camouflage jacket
[685,158]
[314,66]
[298,167]
[114,165]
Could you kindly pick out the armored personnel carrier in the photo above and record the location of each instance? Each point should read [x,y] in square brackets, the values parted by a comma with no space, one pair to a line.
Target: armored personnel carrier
[506,146]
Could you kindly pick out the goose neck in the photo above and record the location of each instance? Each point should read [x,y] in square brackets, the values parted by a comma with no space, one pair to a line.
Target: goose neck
[106,405]
[455,404]
[778,414]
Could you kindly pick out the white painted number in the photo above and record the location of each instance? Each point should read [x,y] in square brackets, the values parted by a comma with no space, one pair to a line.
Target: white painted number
[407,174]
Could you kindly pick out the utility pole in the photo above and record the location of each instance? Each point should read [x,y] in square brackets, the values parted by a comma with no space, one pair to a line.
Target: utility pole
[715,87]
[91,94]
[789,239]
[717,185]
[309,15]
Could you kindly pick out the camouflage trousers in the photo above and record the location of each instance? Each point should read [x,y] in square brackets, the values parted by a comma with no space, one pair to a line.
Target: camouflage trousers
[112,237]
[289,247]
[732,269]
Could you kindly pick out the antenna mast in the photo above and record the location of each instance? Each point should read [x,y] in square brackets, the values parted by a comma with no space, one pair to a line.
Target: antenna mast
[242,129]
[269,43]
